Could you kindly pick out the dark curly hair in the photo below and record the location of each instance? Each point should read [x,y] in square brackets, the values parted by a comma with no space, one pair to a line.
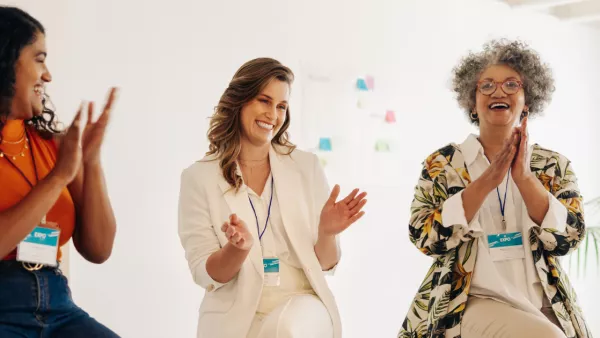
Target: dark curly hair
[538,82]
[224,133]
[18,30]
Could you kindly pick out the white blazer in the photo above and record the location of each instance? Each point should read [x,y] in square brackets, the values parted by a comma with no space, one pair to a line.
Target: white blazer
[205,203]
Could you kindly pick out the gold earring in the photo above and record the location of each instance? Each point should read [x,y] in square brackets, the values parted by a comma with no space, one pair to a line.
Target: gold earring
[474,116]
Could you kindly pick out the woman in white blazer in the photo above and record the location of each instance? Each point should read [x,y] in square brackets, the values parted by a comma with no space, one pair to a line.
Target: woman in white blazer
[256,219]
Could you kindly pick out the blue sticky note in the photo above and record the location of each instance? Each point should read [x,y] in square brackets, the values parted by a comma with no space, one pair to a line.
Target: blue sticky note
[361,84]
[325,144]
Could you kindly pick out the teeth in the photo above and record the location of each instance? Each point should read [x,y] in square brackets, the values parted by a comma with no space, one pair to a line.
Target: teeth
[38,90]
[499,105]
[264,125]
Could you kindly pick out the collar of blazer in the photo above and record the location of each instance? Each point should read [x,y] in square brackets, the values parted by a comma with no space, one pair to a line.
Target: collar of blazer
[294,212]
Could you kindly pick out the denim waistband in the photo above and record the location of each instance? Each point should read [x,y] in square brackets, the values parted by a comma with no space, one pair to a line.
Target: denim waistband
[14,265]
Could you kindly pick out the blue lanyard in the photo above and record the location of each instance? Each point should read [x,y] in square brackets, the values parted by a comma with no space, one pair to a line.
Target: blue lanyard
[503,204]
[260,234]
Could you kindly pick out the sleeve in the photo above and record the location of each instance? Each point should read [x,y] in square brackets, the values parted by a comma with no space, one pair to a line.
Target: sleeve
[438,223]
[556,217]
[563,227]
[197,234]
[322,194]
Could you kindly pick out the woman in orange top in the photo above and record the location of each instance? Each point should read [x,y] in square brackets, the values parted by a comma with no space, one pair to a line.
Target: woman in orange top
[49,181]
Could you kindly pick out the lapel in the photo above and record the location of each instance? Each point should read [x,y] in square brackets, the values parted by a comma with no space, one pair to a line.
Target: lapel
[294,211]
[239,204]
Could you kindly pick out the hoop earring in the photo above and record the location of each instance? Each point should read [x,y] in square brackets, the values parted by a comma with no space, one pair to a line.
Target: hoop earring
[474,116]
[524,114]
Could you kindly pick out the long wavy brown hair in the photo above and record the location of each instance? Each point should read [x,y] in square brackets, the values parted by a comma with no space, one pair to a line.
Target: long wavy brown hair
[225,131]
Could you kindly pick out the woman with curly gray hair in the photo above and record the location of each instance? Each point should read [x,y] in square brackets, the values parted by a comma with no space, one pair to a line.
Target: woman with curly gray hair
[496,212]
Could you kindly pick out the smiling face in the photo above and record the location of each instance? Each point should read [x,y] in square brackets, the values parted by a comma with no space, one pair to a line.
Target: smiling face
[499,109]
[264,115]
[31,76]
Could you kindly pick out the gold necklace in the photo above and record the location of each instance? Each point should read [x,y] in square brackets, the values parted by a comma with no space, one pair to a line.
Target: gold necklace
[21,153]
[253,167]
[14,142]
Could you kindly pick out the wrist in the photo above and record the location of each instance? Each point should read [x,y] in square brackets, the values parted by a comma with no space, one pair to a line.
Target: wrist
[94,163]
[56,179]
[323,237]
[484,184]
[524,180]
[235,250]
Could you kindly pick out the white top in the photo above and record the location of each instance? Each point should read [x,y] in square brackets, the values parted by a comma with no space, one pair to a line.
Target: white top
[275,241]
[516,281]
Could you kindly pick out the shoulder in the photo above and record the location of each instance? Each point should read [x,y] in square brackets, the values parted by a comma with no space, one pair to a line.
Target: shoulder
[539,151]
[549,161]
[302,156]
[207,167]
[299,159]
[445,154]
[294,154]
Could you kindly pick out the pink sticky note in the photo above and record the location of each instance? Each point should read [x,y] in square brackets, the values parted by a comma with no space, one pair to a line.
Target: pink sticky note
[390,116]
[370,82]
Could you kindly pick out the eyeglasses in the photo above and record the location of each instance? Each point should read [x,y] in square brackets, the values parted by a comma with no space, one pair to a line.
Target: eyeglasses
[509,87]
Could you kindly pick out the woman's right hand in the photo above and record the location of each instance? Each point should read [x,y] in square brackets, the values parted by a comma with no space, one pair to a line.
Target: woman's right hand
[237,233]
[70,153]
[474,195]
[495,173]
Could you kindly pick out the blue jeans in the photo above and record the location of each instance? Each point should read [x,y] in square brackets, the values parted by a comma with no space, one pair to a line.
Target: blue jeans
[38,304]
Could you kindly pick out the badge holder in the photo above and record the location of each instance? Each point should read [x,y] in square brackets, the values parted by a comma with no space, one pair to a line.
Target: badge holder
[271,267]
[506,246]
[39,248]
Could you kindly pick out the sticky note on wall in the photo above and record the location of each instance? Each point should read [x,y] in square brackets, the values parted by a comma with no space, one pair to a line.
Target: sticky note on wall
[361,84]
[390,116]
[323,161]
[361,104]
[382,146]
[370,81]
[325,144]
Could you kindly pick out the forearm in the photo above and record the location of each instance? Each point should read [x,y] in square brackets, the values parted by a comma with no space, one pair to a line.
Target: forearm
[536,198]
[223,265]
[18,221]
[474,195]
[327,252]
[96,230]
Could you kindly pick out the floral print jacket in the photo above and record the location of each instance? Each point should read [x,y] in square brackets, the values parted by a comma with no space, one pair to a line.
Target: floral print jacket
[438,307]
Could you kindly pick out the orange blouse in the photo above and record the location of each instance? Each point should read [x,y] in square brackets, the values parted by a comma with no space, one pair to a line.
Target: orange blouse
[14,187]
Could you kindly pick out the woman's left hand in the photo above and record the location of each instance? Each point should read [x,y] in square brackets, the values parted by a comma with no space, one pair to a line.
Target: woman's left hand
[338,216]
[521,169]
[93,134]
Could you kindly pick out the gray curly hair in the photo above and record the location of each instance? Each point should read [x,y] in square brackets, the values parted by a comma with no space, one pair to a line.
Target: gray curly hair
[538,82]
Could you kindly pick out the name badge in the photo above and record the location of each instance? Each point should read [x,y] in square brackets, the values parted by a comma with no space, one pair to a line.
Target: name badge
[271,267]
[506,246]
[39,247]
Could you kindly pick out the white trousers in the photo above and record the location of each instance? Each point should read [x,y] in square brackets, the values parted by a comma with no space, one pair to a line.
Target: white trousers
[488,318]
[302,316]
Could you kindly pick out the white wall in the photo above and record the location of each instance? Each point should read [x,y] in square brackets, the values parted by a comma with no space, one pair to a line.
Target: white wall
[173,61]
